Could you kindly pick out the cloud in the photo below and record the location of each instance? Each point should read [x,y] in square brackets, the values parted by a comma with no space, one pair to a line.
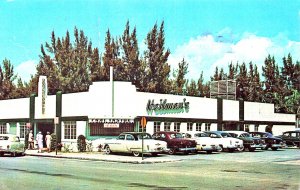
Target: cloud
[26,69]
[204,53]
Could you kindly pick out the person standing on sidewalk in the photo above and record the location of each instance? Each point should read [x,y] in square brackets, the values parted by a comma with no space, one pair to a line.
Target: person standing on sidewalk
[30,140]
[48,141]
[39,139]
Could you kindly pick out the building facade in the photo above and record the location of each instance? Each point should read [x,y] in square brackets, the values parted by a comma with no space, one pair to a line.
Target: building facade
[111,107]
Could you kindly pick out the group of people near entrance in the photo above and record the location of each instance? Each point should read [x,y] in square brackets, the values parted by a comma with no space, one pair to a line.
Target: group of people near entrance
[39,140]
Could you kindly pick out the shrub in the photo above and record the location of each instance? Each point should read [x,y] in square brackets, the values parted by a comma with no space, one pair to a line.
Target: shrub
[53,142]
[81,143]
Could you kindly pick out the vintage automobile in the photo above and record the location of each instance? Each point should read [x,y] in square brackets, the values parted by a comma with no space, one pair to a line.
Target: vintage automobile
[226,141]
[291,138]
[205,143]
[271,142]
[176,142]
[250,143]
[10,144]
[131,142]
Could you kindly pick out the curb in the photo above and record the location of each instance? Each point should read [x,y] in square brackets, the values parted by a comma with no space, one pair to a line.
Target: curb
[105,160]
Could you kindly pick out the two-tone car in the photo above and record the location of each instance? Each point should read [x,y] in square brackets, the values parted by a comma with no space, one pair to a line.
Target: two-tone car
[176,142]
[205,143]
[135,143]
[11,144]
[250,143]
[271,142]
[225,140]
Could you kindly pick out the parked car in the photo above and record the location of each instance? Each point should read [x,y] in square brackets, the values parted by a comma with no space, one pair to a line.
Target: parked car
[131,142]
[176,142]
[291,138]
[271,142]
[10,144]
[205,143]
[250,143]
[226,141]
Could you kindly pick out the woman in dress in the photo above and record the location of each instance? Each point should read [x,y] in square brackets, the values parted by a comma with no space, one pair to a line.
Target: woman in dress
[39,139]
[48,141]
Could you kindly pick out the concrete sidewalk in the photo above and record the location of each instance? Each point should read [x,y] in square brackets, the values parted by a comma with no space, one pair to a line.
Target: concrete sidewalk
[100,156]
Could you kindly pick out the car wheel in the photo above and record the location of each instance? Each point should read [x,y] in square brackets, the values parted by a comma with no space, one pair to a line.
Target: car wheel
[240,149]
[107,150]
[266,148]
[209,151]
[251,149]
[172,151]
[135,153]
[1,154]
[221,149]
[274,148]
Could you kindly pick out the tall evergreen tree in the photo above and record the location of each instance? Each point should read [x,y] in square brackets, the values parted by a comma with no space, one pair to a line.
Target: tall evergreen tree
[66,65]
[269,74]
[156,58]
[180,80]
[242,83]
[192,89]
[7,78]
[133,65]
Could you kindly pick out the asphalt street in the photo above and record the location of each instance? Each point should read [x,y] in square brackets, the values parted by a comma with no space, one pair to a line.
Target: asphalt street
[247,170]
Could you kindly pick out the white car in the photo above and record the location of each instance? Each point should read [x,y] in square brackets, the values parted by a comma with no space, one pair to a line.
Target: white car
[131,142]
[205,143]
[10,144]
[226,141]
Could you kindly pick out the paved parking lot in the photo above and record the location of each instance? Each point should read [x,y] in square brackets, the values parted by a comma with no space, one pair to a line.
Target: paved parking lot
[284,156]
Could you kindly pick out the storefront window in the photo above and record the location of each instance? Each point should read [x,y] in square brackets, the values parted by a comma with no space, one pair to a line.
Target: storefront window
[198,126]
[189,126]
[167,126]
[70,129]
[256,127]
[177,127]
[156,126]
[207,126]
[3,129]
[22,130]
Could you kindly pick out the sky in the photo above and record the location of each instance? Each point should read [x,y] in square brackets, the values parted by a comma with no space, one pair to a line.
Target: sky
[205,33]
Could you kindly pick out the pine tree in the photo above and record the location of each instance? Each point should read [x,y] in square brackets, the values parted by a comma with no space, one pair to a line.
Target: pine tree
[180,77]
[242,83]
[7,78]
[192,89]
[134,70]
[156,58]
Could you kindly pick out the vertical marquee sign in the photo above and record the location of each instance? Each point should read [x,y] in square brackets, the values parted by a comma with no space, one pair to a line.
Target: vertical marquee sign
[43,91]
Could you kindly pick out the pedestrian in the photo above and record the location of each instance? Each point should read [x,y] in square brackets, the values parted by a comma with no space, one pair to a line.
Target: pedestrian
[48,141]
[30,140]
[39,139]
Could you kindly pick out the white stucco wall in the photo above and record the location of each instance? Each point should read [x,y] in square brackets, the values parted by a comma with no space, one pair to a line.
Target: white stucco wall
[14,108]
[230,110]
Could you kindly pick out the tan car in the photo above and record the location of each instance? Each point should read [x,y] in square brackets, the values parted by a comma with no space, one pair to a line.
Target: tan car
[131,142]
[10,144]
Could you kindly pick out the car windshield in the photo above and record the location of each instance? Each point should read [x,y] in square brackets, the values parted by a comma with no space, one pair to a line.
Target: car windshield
[176,136]
[245,135]
[201,135]
[225,135]
[3,137]
[143,135]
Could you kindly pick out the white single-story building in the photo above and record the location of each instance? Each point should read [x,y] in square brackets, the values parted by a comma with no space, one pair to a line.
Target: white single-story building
[112,107]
